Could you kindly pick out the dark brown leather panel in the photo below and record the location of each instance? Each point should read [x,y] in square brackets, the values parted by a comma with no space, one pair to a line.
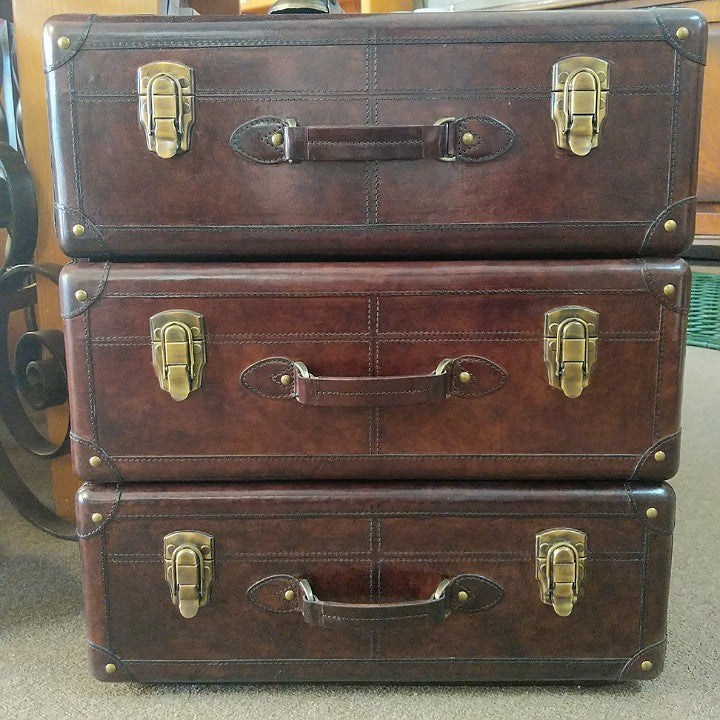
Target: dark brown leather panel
[376,544]
[374,73]
[375,324]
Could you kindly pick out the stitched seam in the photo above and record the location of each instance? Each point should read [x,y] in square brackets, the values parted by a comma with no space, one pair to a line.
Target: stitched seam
[379,514]
[90,374]
[389,456]
[674,129]
[372,393]
[289,393]
[658,378]
[643,589]
[364,142]
[74,136]
[393,661]
[461,152]
[105,590]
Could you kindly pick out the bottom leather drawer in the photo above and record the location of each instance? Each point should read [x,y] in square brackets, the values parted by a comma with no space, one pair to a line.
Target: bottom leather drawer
[461,582]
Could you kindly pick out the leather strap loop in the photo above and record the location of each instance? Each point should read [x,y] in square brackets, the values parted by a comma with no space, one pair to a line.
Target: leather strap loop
[281,378]
[272,140]
[462,593]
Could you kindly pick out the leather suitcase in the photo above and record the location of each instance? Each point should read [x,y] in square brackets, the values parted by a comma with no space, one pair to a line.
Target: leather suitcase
[461,370]
[569,133]
[376,582]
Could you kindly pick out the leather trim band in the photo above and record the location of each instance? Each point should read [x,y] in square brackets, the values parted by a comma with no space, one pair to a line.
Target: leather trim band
[272,140]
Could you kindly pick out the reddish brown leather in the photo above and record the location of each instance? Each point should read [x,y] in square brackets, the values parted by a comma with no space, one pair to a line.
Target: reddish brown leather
[370,321]
[263,378]
[374,72]
[480,594]
[376,543]
[361,144]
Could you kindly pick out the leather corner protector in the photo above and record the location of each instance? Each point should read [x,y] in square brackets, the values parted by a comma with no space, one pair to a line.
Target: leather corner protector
[87,468]
[483,594]
[485,377]
[252,140]
[660,461]
[654,506]
[263,378]
[269,594]
[637,667]
[63,40]
[86,527]
[657,281]
[92,281]
[69,221]
[692,47]
[682,213]
[106,665]
[492,139]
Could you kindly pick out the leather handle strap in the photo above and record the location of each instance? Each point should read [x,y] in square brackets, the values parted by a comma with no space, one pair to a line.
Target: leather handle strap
[272,140]
[462,593]
[281,378]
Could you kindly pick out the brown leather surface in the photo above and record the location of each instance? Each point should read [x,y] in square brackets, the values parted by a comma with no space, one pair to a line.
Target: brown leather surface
[374,72]
[376,323]
[376,544]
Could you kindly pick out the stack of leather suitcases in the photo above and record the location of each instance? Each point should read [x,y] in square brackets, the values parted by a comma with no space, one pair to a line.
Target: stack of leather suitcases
[375,337]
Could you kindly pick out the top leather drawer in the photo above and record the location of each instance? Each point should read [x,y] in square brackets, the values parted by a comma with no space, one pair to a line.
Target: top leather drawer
[571,133]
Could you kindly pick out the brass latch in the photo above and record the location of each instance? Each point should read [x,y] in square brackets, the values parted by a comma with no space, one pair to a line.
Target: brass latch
[189,569]
[560,567]
[178,351]
[167,106]
[579,102]
[570,349]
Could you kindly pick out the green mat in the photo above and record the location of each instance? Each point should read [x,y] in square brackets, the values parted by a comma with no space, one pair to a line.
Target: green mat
[704,319]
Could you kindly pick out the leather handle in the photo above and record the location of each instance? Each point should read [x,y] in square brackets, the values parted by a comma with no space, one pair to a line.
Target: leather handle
[272,140]
[462,593]
[281,378]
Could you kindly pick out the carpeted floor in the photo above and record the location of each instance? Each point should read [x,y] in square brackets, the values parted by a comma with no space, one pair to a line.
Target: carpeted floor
[42,654]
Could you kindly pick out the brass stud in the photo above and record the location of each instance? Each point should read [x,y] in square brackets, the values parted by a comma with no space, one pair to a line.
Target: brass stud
[277,139]
[289,595]
[110,668]
[651,513]
[562,78]
[659,456]
[646,665]
[97,517]
[81,295]
[170,549]
[468,138]
[669,290]
[78,230]
[462,596]
[464,377]
[285,379]
[682,33]
[670,226]
[63,42]
[95,461]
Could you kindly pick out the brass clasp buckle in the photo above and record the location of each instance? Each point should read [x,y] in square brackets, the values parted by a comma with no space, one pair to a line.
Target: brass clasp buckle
[189,558]
[560,567]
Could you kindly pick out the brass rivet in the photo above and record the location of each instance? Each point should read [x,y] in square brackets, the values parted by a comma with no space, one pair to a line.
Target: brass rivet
[170,549]
[651,513]
[205,549]
[462,596]
[63,42]
[682,33]
[646,665]
[276,139]
[602,77]
[562,78]
[81,295]
[110,668]
[78,230]
[670,226]
[97,517]
[184,82]
[468,138]
[669,290]
[95,461]
[659,456]
[464,377]
[289,595]
[285,379]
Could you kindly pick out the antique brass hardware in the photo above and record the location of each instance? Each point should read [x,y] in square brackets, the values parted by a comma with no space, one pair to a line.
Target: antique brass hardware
[110,668]
[579,102]
[189,558]
[670,226]
[570,349]
[95,461]
[682,33]
[81,295]
[659,456]
[178,351]
[167,106]
[78,230]
[560,567]
[64,43]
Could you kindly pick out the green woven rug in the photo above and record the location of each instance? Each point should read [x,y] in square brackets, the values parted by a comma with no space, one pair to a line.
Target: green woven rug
[704,319]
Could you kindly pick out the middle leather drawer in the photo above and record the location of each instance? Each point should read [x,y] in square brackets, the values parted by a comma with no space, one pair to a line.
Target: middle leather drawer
[417,370]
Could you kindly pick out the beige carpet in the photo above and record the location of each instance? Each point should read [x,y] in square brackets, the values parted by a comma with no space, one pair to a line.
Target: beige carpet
[42,652]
